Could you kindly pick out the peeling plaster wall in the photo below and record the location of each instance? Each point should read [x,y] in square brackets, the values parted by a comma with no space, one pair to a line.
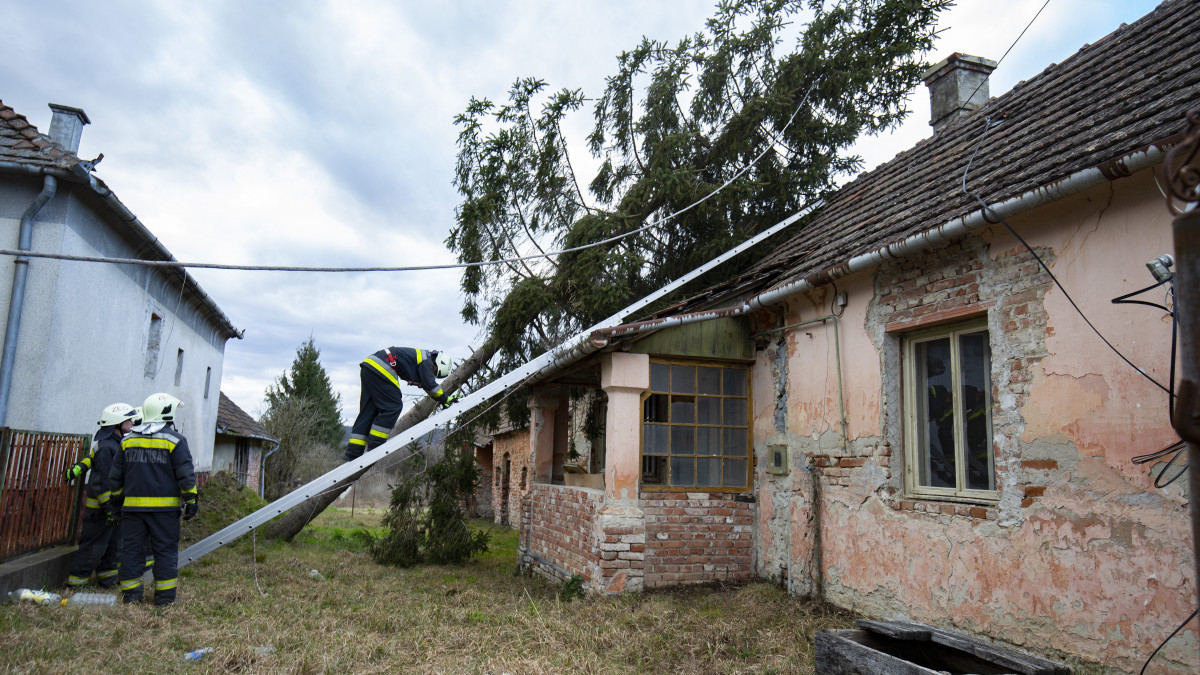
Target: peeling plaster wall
[1081,555]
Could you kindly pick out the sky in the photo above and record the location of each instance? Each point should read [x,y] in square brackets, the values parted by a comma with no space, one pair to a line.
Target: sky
[321,134]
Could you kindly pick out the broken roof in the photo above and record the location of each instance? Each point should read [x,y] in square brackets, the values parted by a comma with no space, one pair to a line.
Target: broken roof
[233,421]
[26,151]
[1111,99]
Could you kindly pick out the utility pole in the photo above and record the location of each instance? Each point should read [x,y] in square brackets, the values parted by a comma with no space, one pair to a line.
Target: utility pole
[1182,171]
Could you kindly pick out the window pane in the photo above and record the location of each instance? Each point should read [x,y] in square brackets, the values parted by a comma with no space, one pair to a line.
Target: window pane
[708,410]
[975,369]
[683,471]
[683,440]
[735,412]
[683,379]
[710,380]
[708,472]
[708,441]
[654,439]
[655,408]
[935,414]
[683,409]
[652,470]
[735,382]
[735,443]
[660,377]
[735,473]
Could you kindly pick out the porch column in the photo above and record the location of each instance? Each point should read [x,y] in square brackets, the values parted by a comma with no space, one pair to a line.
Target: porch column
[542,402]
[624,377]
[620,528]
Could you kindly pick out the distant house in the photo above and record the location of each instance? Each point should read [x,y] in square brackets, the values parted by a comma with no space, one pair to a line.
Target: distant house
[82,335]
[242,445]
[898,410]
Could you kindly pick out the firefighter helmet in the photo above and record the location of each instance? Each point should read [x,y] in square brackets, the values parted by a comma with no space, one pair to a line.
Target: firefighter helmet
[443,364]
[137,416]
[160,408]
[116,413]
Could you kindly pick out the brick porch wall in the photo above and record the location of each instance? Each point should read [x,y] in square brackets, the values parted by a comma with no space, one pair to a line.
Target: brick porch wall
[696,538]
[559,528]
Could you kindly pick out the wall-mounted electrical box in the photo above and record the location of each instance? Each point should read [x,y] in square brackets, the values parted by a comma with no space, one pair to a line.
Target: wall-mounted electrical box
[777,459]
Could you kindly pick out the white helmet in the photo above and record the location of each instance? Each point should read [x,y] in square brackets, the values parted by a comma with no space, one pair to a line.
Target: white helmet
[443,364]
[160,408]
[116,414]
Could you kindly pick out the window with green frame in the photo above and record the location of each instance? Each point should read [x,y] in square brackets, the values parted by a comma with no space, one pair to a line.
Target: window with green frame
[948,413]
[696,426]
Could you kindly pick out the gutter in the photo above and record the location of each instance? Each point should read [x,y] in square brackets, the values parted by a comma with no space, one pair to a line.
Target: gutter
[12,330]
[1073,184]
[148,242]
[262,470]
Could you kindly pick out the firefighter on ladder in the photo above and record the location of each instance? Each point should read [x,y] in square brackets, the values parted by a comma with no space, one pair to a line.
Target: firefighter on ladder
[380,401]
[99,539]
[150,480]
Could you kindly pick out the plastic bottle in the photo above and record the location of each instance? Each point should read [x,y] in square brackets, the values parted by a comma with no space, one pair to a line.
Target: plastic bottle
[91,600]
[197,654]
[44,598]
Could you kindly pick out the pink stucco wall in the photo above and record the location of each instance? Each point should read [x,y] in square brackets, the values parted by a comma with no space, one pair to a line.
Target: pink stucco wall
[1082,554]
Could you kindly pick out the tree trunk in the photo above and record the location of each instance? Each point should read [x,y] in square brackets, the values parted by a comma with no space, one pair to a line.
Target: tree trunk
[291,523]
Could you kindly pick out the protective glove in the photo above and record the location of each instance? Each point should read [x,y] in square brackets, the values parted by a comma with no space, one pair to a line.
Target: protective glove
[111,517]
[190,509]
[73,472]
[450,400]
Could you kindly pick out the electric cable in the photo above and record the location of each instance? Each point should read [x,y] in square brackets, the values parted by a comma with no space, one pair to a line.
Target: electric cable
[1164,642]
[414,268]
[1010,47]
[987,209]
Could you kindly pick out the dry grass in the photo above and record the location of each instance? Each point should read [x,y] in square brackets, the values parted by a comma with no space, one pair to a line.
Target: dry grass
[362,617]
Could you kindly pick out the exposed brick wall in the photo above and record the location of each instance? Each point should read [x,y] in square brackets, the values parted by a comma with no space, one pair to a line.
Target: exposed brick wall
[695,538]
[510,481]
[559,529]
[254,467]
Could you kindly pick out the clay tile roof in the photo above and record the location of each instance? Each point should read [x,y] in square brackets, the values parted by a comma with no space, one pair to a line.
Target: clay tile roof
[1110,99]
[233,421]
[21,143]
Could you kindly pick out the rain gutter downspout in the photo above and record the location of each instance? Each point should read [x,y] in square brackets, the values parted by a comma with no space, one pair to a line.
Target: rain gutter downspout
[262,470]
[16,301]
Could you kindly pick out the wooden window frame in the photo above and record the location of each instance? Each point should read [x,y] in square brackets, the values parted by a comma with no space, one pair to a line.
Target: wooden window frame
[914,452]
[666,486]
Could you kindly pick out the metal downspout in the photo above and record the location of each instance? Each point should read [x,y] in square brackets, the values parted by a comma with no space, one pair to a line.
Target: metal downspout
[262,471]
[17,299]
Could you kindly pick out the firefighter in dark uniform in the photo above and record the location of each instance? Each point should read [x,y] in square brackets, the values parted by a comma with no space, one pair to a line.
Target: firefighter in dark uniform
[150,480]
[99,540]
[380,401]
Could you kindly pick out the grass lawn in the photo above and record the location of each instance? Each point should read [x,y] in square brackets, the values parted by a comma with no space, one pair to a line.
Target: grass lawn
[358,617]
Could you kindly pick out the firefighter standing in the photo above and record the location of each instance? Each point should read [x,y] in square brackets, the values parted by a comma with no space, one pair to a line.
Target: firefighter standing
[99,540]
[151,478]
[380,402]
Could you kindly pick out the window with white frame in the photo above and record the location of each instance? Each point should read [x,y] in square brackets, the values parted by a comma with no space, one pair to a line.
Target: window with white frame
[696,426]
[948,413]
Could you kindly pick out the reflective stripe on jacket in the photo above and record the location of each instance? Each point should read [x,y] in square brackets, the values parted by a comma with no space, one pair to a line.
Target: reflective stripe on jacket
[414,366]
[153,472]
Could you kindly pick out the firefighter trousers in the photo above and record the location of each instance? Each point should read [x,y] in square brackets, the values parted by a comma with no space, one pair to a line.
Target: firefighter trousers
[147,533]
[379,406]
[99,551]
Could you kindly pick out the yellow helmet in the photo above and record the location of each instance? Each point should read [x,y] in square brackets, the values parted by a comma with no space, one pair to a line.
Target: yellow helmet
[160,408]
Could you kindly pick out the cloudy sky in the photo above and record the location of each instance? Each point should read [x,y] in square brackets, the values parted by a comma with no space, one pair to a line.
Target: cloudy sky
[321,134]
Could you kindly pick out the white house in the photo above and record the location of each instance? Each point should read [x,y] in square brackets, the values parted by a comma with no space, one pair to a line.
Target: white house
[81,335]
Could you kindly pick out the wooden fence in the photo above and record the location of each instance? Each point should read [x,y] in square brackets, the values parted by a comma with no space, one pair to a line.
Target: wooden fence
[37,509]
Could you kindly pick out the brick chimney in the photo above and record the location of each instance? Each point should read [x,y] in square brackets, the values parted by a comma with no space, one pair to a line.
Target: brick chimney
[957,86]
[66,126]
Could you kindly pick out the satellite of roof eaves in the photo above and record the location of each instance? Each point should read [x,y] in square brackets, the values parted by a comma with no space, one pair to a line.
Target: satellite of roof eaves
[1122,94]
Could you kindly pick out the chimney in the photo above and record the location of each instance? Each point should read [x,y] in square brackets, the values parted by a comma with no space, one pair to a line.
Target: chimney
[66,126]
[957,86]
